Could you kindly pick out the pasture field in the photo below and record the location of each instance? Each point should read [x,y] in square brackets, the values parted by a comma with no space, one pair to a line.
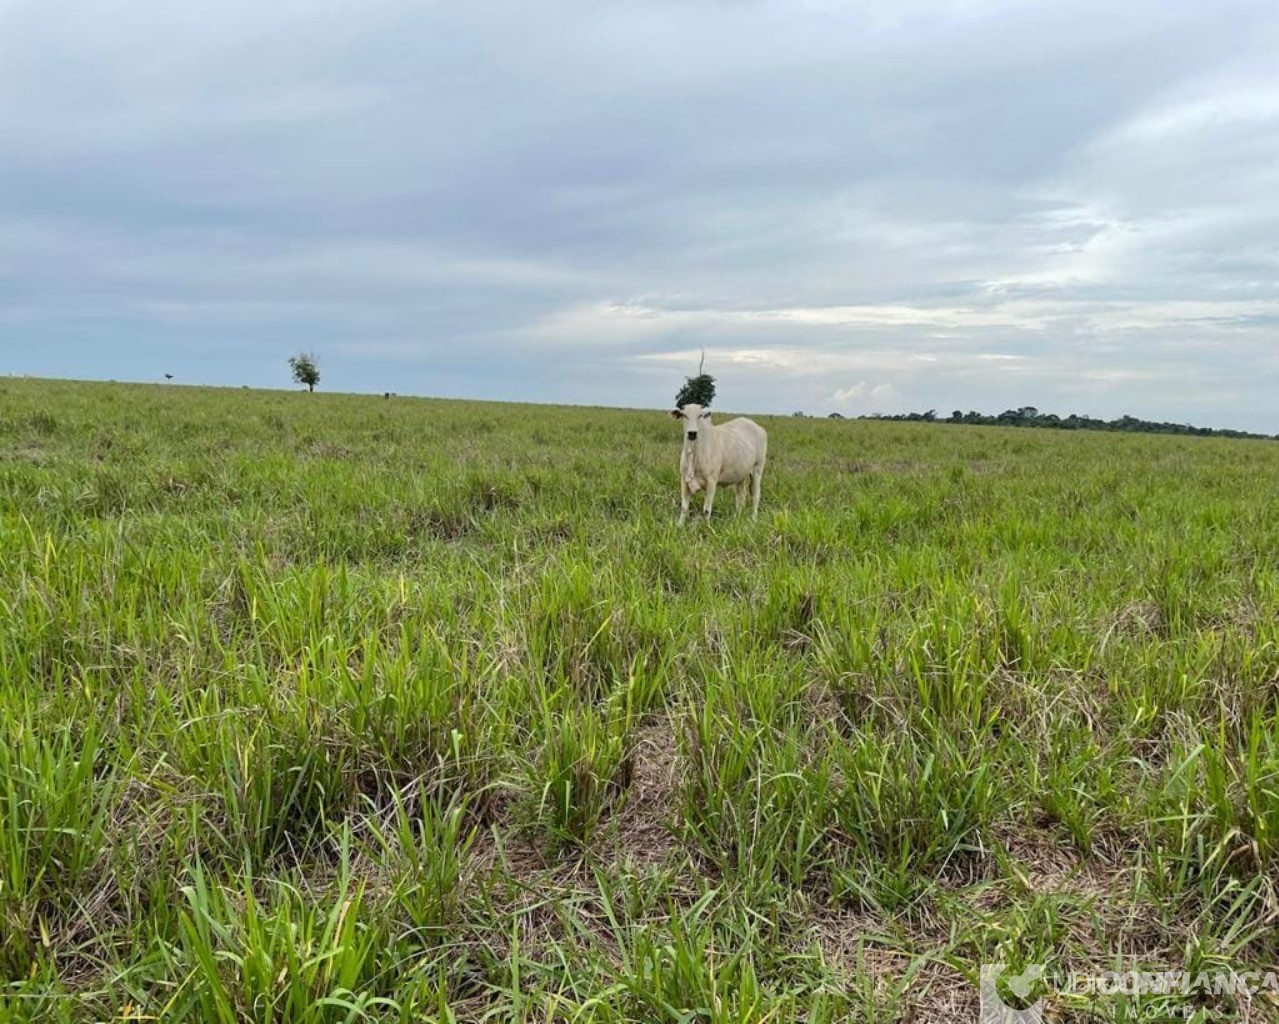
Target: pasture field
[332,708]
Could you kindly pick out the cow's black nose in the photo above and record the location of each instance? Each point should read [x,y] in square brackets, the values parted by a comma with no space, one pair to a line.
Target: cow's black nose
[692,435]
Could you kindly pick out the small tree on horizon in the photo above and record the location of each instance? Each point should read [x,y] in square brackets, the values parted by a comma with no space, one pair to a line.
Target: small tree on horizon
[700,389]
[305,369]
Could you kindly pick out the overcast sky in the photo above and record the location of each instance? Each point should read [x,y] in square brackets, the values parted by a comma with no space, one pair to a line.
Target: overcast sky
[852,207]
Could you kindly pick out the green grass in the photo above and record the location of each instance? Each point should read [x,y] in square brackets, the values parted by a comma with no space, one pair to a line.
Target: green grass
[331,708]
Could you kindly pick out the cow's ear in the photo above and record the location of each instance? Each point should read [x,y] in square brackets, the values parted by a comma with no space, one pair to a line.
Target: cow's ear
[677,414]
[706,414]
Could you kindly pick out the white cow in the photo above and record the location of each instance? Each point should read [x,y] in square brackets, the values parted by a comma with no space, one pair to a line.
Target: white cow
[732,454]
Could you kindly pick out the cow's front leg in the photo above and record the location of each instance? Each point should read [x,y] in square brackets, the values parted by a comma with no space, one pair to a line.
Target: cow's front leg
[685,495]
[710,497]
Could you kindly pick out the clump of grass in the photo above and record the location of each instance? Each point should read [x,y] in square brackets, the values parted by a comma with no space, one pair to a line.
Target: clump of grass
[576,776]
[587,632]
[1080,785]
[42,423]
[911,805]
[1217,810]
[280,956]
[427,845]
[271,774]
[56,789]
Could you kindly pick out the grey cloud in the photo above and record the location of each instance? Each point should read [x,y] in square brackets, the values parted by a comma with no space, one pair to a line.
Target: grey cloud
[558,199]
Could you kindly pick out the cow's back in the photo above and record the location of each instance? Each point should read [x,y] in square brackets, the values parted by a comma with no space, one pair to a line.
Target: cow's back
[745,444]
[750,432]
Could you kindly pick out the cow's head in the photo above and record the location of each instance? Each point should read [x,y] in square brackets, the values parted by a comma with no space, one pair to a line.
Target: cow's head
[693,417]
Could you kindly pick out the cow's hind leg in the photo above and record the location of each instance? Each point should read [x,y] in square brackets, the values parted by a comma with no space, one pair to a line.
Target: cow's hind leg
[740,490]
[757,476]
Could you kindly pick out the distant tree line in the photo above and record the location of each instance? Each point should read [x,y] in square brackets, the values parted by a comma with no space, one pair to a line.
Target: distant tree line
[1029,416]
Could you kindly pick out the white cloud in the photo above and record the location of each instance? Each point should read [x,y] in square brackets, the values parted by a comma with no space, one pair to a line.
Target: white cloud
[858,394]
[1220,105]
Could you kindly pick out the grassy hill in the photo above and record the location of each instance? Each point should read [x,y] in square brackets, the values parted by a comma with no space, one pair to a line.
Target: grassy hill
[329,708]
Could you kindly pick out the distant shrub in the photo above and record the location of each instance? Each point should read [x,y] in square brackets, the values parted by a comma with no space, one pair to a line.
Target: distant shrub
[699,390]
[306,370]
